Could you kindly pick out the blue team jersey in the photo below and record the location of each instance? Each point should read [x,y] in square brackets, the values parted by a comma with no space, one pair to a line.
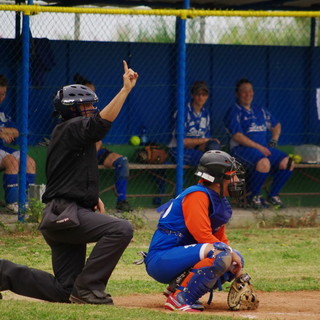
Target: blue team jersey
[196,125]
[253,123]
[5,122]
[172,219]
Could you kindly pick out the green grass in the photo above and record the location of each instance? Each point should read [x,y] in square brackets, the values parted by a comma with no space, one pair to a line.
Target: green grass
[280,259]
[20,310]
[277,259]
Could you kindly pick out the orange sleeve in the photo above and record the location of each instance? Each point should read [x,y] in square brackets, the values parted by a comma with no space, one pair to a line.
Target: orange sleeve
[195,209]
[221,235]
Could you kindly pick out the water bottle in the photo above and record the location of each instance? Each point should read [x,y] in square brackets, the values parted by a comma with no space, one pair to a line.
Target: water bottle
[144,138]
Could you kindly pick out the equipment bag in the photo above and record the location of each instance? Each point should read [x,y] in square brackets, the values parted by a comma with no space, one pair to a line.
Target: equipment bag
[152,154]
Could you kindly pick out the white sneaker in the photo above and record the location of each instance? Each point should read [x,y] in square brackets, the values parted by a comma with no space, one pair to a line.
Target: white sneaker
[14,207]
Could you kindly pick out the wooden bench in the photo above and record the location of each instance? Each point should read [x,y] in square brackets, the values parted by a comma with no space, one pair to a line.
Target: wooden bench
[307,165]
[151,169]
[140,168]
[307,170]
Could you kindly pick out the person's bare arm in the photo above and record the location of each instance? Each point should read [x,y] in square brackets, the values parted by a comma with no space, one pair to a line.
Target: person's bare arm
[100,206]
[276,131]
[111,111]
[98,145]
[8,134]
[236,265]
[191,143]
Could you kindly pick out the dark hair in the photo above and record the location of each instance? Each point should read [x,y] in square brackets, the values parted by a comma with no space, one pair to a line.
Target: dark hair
[199,85]
[3,81]
[79,79]
[241,82]
[207,183]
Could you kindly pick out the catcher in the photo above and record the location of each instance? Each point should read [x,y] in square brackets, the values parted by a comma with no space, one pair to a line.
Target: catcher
[190,249]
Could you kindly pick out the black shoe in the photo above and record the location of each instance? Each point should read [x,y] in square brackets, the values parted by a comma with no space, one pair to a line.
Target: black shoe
[85,296]
[264,203]
[123,205]
[255,202]
[276,202]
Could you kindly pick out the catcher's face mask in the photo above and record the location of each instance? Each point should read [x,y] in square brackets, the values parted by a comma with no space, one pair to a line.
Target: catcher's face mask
[236,188]
[232,185]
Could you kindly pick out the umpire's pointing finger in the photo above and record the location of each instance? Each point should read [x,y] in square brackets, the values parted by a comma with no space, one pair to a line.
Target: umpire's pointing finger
[125,66]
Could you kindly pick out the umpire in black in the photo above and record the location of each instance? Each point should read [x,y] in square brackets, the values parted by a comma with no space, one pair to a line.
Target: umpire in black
[70,218]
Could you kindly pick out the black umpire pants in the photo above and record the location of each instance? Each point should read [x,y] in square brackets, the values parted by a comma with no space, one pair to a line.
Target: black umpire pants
[68,246]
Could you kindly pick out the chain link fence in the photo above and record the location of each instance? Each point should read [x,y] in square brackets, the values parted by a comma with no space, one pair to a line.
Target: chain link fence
[278,52]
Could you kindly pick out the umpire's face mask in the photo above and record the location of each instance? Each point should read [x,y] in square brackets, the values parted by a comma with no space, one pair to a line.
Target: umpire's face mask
[87,109]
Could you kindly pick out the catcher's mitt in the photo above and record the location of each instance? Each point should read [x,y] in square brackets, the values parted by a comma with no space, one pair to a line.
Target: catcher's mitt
[242,295]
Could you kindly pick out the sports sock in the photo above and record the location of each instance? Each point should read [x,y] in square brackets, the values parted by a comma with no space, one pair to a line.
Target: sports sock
[207,262]
[121,177]
[279,180]
[11,187]
[121,188]
[255,182]
[31,179]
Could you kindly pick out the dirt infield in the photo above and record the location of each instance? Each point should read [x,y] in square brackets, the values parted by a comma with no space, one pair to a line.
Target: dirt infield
[299,305]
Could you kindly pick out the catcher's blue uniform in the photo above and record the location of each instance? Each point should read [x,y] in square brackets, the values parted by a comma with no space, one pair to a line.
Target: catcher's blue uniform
[173,249]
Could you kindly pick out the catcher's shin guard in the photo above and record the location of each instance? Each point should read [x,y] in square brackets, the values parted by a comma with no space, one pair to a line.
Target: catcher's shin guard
[242,294]
[205,278]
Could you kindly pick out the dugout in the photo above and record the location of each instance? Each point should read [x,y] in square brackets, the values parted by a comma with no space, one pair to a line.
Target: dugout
[303,181]
[285,80]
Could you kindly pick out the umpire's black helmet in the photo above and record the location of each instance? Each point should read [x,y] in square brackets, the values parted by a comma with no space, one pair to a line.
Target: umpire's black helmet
[69,97]
[216,165]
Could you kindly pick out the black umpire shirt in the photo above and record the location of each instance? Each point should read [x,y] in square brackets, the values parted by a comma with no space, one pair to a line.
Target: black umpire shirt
[71,166]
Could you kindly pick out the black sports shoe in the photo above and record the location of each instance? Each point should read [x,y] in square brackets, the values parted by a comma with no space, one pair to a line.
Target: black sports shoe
[264,203]
[123,206]
[276,202]
[257,202]
[85,296]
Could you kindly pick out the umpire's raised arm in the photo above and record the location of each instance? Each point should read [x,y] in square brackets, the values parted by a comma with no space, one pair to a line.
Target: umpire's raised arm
[111,111]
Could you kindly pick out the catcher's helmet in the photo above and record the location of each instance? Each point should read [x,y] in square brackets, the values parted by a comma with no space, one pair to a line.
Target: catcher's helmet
[216,165]
[67,100]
